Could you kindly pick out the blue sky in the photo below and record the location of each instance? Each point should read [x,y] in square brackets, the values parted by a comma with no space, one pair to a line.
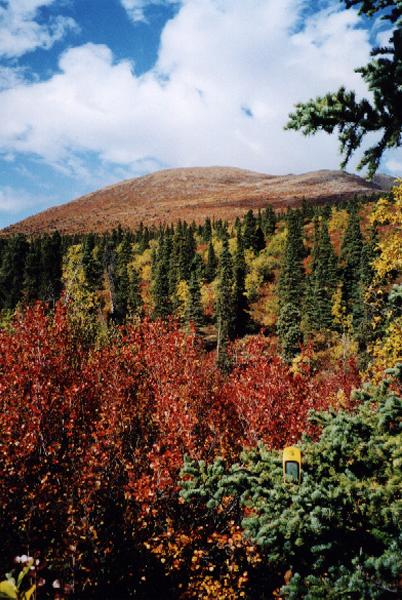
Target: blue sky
[95,91]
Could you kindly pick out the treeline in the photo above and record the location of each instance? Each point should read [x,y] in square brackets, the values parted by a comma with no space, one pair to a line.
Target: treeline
[212,274]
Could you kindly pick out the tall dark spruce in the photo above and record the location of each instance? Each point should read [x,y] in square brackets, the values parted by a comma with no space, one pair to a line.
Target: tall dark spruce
[291,288]
[224,304]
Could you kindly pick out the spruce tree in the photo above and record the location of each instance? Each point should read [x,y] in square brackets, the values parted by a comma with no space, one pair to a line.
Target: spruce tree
[364,310]
[241,316]
[292,272]
[160,287]
[259,240]
[322,280]
[121,280]
[224,304]
[337,533]
[87,259]
[195,313]
[50,268]
[212,263]
[368,255]
[91,262]
[175,265]
[187,253]
[32,272]
[134,300]
[350,263]
[291,288]
[268,221]
[249,227]
[289,331]
[12,271]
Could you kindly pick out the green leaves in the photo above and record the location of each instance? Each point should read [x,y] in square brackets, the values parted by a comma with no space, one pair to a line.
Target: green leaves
[339,530]
[355,119]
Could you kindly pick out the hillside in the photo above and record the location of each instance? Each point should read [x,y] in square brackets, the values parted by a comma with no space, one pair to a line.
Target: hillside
[193,193]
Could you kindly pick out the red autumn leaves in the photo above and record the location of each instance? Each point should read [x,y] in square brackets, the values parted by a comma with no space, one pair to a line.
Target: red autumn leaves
[81,427]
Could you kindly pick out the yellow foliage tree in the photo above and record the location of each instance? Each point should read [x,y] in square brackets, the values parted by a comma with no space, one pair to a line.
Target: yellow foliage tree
[82,303]
[183,298]
[387,350]
[389,213]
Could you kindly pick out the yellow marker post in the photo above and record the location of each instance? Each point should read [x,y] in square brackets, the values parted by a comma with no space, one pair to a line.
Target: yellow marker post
[292,464]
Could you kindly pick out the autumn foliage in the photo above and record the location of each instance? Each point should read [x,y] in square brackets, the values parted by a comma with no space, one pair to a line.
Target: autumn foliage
[93,439]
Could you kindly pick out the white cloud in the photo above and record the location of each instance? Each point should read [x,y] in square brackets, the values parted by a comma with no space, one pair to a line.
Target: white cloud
[10,76]
[21,33]
[394,166]
[219,62]
[136,9]
[15,201]
[383,38]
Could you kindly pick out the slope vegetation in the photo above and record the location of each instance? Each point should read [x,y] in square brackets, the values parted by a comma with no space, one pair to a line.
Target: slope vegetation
[192,193]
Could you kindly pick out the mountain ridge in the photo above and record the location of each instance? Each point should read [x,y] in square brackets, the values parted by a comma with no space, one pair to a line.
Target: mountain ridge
[193,193]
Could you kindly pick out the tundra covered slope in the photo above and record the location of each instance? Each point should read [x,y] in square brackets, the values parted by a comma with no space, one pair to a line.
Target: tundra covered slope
[193,194]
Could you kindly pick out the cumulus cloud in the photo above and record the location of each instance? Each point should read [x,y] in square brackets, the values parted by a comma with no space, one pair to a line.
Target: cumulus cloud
[227,75]
[394,166]
[20,32]
[14,200]
[384,38]
[11,76]
[136,9]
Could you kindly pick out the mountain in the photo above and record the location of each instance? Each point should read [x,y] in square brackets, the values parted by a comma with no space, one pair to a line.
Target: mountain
[193,193]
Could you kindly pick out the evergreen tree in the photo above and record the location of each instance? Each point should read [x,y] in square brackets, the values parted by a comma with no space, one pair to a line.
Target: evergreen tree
[121,280]
[322,280]
[289,331]
[50,285]
[292,272]
[134,300]
[187,253]
[307,210]
[241,316]
[212,263]
[160,287]
[338,532]
[355,118]
[364,333]
[291,288]
[176,265]
[368,255]
[144,240]
[350,263]
[259,240]
[91,267]
[117,235]
[224,304]
[32,272]
[139,233]
[12,271]
[195,313]
[268,221]
[249,227]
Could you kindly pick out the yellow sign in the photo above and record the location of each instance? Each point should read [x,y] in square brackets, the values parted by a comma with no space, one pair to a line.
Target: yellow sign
[292,464]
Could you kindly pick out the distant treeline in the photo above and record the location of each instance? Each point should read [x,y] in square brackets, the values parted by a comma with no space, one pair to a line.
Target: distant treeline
[314,285]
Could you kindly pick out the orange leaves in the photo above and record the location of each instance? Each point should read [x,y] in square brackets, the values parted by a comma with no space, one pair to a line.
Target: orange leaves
[271,403]
[92,442]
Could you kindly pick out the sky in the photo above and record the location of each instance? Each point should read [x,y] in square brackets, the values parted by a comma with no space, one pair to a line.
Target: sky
[96,91]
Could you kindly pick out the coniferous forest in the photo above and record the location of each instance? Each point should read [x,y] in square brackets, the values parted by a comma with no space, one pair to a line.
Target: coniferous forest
[150,380]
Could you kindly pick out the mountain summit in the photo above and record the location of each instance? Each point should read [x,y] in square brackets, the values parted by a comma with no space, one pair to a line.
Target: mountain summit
[193,193]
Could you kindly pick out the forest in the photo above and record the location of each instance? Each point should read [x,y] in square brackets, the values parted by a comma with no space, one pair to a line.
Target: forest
[149,381]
